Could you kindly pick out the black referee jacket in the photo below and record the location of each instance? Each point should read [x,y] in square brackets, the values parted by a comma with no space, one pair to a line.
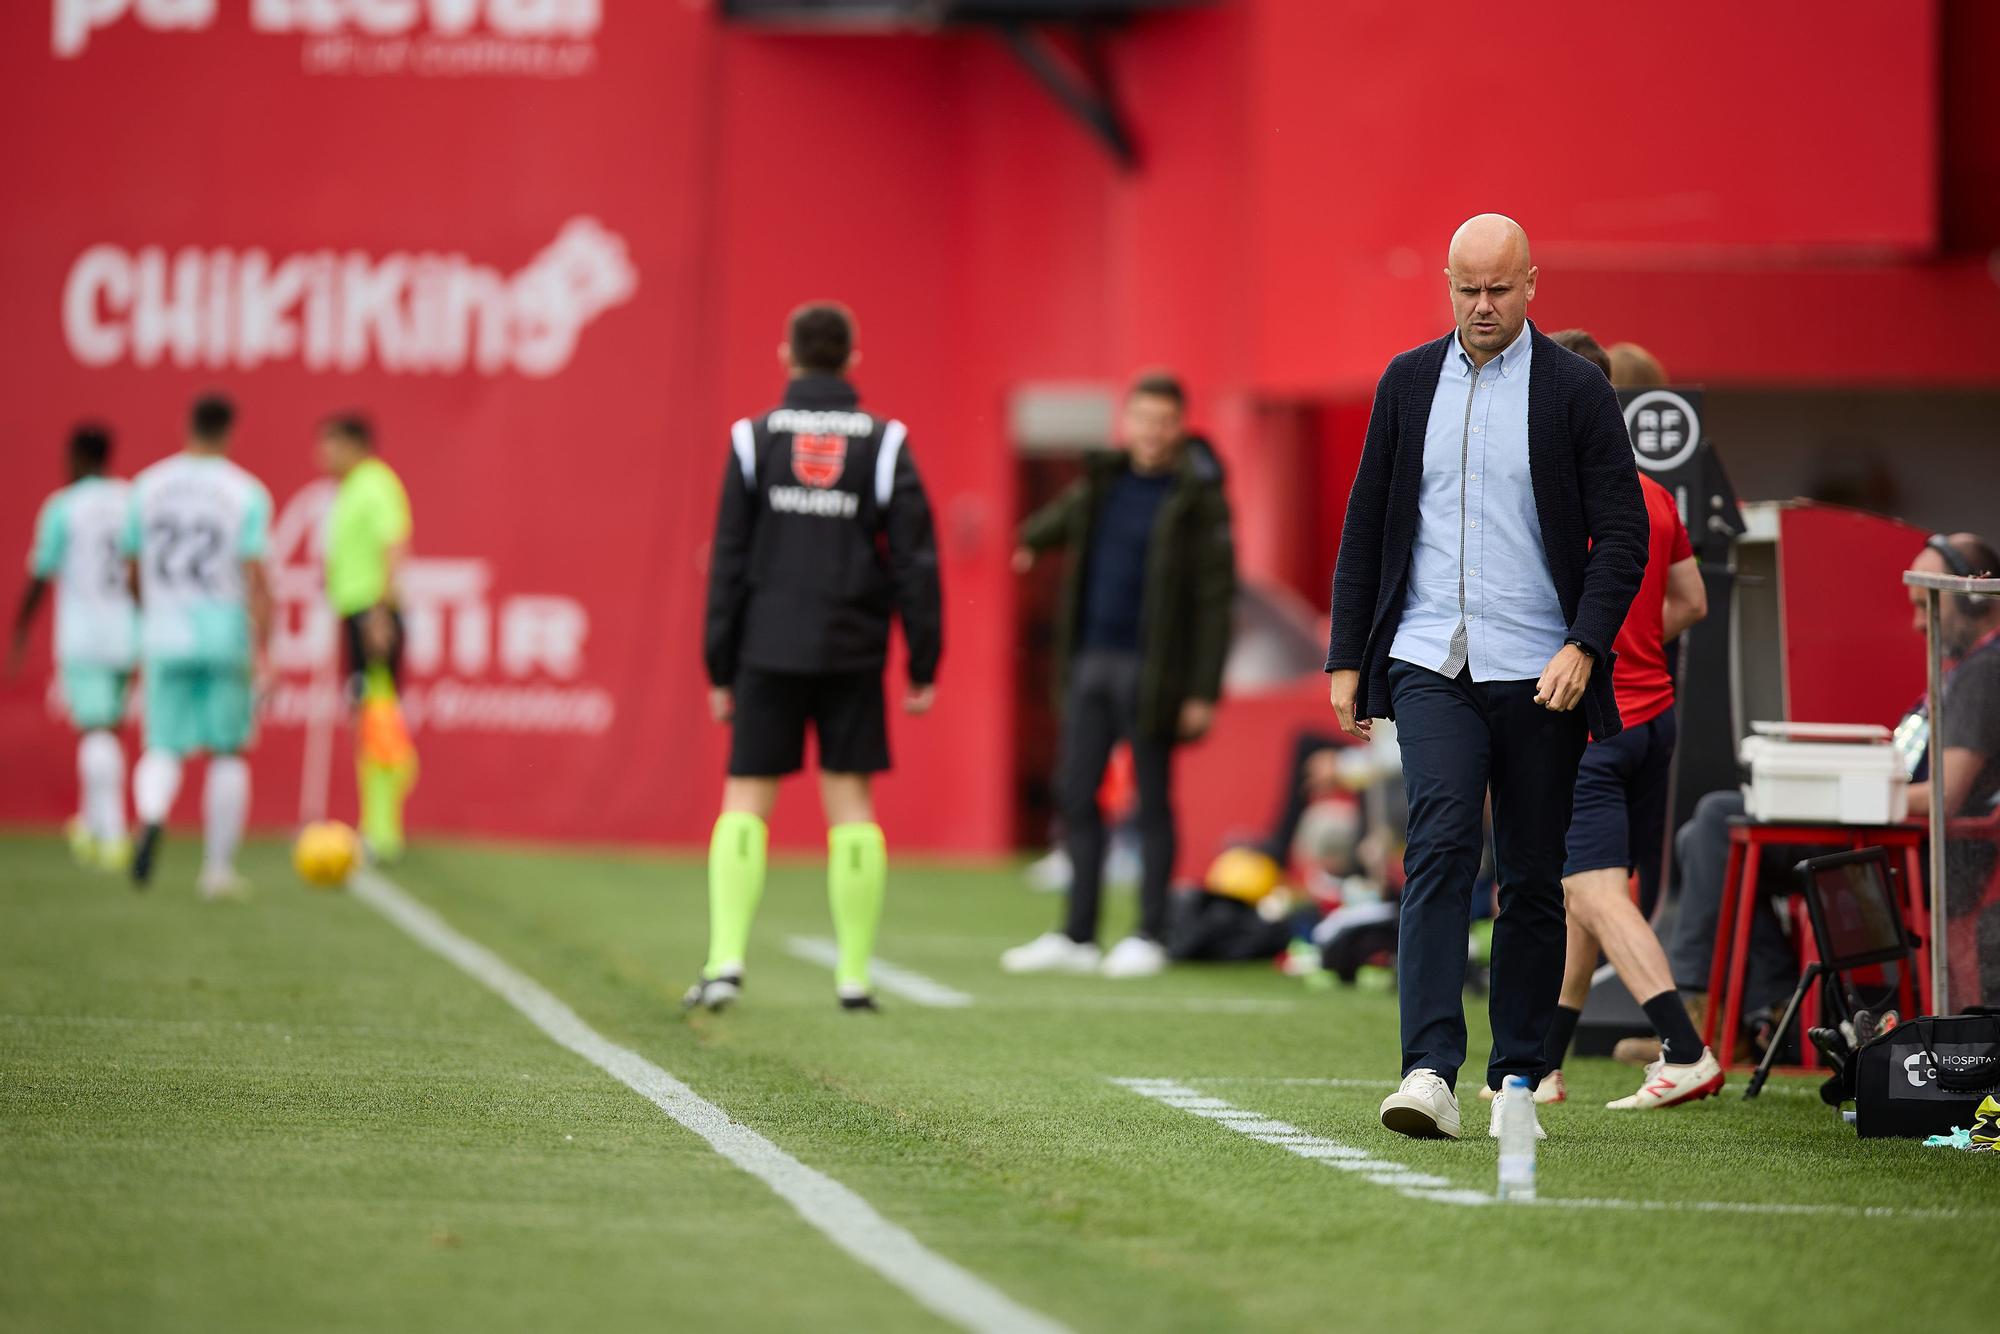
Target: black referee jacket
[824,532]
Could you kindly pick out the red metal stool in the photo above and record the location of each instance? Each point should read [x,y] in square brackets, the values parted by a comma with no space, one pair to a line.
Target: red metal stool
[1747,841]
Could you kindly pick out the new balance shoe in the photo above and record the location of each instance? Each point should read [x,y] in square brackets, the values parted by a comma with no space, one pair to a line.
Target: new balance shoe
[1135,956]
[1670,1085]
[1052,953]
[1500,1102]
[713,993]
[1423,1108]
[1550,1090]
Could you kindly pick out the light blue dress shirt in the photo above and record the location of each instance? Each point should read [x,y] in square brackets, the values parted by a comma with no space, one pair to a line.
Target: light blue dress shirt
[1480,593]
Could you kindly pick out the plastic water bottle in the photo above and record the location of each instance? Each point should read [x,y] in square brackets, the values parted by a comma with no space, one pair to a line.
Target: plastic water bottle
[1517,1141]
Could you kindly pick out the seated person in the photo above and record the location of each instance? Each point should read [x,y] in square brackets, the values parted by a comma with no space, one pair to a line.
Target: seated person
[1970,631]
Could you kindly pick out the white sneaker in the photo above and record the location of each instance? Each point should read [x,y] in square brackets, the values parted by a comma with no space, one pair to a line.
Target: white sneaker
[1500,1101]
[1670,1085]
[1051,874]
[1423,1108]
[1135,956]
[220,884]
[1549,1090]
[1052,953]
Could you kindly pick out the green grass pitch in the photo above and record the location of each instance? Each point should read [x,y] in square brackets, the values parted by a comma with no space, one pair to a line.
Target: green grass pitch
[287,1115]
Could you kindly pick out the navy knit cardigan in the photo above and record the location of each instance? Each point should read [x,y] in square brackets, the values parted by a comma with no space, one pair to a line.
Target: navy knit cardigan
[1593,517]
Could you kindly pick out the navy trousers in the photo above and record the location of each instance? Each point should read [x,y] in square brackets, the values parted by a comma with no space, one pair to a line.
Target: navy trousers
[1459,738]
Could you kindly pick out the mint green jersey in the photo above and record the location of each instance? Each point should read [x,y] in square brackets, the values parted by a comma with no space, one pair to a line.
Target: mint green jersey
[79,545]
[194,522]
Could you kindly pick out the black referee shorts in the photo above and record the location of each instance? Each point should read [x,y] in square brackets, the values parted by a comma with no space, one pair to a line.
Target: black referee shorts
[768,738]
[354,640]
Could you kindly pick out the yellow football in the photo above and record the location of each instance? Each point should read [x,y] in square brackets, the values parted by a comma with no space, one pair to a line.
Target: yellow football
[325,854]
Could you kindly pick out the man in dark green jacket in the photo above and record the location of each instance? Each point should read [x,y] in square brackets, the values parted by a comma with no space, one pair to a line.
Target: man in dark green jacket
[1140,641]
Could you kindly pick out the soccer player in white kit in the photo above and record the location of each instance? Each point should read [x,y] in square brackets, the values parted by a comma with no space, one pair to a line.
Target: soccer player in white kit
[196,530]
[78,538]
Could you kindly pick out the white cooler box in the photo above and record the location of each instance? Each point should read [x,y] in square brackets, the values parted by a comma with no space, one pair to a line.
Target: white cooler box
[1834,773]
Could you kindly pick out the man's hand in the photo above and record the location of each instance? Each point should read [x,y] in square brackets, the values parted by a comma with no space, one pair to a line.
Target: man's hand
[919,699]
[1023,560]
[1345,686]
[1563,680]
[1197,716]
[721,703]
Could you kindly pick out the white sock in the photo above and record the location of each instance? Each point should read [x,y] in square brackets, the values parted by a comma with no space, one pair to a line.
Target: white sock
[100,766]
[225,805]
[156,781]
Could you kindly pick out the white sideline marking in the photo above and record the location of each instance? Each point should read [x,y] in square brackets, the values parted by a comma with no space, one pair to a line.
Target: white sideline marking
[896,981]
[1438,1190]
[847,1220]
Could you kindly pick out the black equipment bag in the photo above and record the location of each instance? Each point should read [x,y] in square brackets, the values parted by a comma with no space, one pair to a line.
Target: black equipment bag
[1214,928]
[1928,1075]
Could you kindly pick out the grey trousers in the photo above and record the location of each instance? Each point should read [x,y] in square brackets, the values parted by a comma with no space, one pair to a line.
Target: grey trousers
[1101,709]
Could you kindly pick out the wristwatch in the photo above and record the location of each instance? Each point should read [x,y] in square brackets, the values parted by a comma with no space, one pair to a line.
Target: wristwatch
[1586,649]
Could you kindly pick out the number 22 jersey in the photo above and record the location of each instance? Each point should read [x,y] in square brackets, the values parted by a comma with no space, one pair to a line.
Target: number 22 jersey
[195,519]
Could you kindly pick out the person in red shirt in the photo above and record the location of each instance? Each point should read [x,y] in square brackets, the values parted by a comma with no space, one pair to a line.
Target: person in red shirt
[1618,822]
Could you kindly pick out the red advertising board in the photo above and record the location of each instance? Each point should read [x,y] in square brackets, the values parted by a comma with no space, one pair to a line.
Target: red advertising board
[467,218]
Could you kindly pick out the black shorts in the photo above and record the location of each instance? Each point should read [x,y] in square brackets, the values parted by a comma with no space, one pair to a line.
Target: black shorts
[1619,819]
[768,739]
[354,643]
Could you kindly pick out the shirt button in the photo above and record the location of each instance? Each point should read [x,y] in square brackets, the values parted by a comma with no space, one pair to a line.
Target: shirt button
[1476,430]
[1472,477]
[1475,523]
[1473,573]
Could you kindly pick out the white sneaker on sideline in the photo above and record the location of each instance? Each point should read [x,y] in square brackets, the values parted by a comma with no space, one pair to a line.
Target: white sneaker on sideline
[1670,1085]
[1423,1108]
[1500,1101]
[1135,956]
[1052,953]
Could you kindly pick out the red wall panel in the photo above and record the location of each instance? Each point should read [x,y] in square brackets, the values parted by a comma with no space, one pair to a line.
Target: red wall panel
[1694,186]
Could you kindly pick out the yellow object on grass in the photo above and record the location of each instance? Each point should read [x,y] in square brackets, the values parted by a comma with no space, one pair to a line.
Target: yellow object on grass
[325,854]
[1242,873]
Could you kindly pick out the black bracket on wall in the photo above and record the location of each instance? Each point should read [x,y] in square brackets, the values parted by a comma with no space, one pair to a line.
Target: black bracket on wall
[1082,87]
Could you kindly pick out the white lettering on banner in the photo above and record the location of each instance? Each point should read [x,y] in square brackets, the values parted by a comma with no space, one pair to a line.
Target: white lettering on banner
[573,21]
[408,314]
[455,632]
[451,18]
[75,20]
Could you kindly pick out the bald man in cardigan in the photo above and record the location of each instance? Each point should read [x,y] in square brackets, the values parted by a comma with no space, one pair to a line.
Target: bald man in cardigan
[1494,539]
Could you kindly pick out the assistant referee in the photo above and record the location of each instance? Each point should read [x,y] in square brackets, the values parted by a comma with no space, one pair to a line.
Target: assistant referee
[367,537]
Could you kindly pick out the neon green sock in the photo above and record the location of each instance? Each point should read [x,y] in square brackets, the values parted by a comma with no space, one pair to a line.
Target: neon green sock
[856,881]
[735,883]
[382,790]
